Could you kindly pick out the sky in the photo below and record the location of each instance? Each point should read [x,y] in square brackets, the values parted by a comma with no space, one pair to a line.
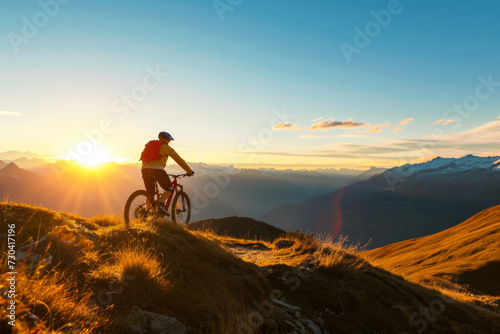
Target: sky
[282,84]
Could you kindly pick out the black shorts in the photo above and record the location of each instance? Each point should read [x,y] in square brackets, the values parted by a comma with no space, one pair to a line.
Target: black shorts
[151,175]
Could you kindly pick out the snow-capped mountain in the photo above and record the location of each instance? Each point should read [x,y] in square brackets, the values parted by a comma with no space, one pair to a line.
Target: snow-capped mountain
[449,165]
[401,203]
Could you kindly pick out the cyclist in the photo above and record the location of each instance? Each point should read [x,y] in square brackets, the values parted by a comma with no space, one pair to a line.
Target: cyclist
[154,170]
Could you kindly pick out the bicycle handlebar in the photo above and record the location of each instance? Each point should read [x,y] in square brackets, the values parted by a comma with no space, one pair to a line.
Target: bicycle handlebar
[175,176]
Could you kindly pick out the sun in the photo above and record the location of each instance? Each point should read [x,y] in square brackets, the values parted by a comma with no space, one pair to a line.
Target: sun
[96,158]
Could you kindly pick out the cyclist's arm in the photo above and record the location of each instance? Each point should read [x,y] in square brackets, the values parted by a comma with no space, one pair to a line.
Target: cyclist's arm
[167,150]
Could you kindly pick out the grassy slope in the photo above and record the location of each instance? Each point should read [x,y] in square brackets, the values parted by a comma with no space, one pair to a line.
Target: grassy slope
[468,253]
[162,268]
[196,278]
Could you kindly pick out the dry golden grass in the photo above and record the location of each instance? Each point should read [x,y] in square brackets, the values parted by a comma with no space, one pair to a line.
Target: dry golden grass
[107,220]
[463,257]
[346,283]
[210,283]
[56,301]
[191,279]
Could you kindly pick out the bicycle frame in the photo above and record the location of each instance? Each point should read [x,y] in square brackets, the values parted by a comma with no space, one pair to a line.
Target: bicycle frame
[176,186]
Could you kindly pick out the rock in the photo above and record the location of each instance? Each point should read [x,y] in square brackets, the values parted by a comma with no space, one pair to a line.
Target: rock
[148,322]
[290,316]
[286,305]
[315,329]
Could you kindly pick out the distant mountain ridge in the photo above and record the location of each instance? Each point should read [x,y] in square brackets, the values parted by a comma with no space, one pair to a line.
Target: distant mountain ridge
[13,155]
[440,165]
[447,165]
[215,191]
[238,227]
[399,204]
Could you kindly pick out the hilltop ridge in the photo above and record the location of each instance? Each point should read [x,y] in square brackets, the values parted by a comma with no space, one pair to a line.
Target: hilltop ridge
[215,284]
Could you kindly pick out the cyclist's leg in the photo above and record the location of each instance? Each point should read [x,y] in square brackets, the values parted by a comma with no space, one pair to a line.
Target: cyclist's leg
[149,182]
[164,181]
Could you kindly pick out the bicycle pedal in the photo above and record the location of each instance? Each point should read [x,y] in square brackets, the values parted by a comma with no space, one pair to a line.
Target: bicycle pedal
[163,210]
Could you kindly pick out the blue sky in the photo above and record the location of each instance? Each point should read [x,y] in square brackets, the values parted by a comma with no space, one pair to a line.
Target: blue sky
[226,79]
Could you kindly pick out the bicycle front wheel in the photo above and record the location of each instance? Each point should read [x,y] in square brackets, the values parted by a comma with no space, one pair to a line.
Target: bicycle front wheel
[136,208]
[181,208]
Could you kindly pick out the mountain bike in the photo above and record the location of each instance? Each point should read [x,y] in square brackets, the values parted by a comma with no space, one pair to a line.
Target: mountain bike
[141,207]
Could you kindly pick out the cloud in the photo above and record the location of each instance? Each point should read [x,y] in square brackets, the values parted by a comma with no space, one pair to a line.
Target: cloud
[317,119]
[377,128]
[286,127]
[444,122]
[405,121]
[478,141]
[402,124]
[482,141]
[312,136]
[449,121]
[485,134]
[327,125]
[10,113]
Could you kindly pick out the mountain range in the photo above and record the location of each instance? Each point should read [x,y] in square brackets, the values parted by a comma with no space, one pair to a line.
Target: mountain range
[401,203]
[377,206]
[215,191]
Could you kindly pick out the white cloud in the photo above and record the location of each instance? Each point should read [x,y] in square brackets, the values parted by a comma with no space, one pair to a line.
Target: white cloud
[444,121]
[402,124]
[317,119]
[330,124]
[280,126]
[10,113]
[438,121]
[312,136]
[377,128]
[488,133]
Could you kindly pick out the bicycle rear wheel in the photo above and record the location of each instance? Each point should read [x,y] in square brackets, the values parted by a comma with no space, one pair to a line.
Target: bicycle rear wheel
[136,208]
[181,208]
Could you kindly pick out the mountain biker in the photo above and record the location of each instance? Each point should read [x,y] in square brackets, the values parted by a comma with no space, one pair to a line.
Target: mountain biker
[154,170]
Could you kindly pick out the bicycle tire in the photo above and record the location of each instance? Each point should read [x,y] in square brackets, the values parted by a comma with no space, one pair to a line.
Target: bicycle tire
[135,206]
[181,214]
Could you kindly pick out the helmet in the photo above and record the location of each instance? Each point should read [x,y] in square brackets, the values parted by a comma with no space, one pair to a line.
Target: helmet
[165,136]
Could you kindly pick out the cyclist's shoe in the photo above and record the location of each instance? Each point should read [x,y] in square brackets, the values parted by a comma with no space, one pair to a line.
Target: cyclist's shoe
[161,208]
